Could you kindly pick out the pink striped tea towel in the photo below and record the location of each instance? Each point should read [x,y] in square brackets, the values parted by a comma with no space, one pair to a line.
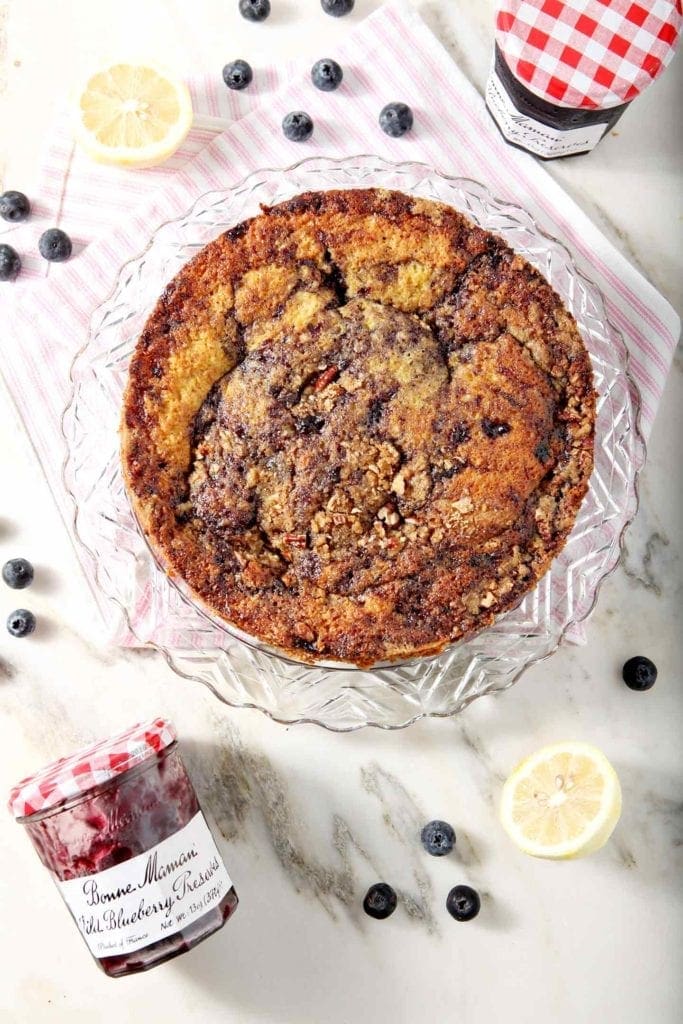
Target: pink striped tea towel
[452,132]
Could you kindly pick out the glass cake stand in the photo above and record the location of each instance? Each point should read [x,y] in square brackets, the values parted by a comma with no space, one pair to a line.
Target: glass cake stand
[151,609]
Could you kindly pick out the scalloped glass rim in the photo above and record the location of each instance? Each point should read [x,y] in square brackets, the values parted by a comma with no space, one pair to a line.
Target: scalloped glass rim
[241,671]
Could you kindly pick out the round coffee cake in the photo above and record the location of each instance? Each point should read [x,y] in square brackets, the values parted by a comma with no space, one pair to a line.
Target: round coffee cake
[358,426]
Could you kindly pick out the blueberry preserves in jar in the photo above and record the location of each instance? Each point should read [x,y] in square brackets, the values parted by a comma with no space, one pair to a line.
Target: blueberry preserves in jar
[121,831]
[564,73]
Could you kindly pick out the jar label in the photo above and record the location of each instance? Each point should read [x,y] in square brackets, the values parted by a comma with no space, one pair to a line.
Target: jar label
[151,896]
[533,135]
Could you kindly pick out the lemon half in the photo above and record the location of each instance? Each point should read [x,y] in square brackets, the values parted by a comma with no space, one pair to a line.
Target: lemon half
[132,115]
[562,802]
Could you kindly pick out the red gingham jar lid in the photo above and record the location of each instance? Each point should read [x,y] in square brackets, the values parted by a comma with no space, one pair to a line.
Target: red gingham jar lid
[73,776]
[587,53]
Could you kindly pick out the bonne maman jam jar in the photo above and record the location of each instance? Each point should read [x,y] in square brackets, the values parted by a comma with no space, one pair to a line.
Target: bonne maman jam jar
[119,827]
[564,71]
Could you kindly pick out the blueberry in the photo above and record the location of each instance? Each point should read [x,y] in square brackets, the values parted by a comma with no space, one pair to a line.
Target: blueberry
[380,901]
[326,74]
[396,119]
[17,573]
[337,8]
[10,264]
[639,673]
[297,126]
[255,10]
[463,903]
[237,74]
[310,425]
[21,622]
[14,206]
[54,245]
[494,428]
[438,838]
[542,451]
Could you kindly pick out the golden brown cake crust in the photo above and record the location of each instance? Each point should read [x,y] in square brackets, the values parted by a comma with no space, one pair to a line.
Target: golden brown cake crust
[358,426]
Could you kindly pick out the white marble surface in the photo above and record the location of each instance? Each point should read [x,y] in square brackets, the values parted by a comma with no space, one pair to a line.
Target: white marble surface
[309,819]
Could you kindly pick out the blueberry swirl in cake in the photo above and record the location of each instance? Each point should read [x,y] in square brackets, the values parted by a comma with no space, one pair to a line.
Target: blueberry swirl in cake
[358,426]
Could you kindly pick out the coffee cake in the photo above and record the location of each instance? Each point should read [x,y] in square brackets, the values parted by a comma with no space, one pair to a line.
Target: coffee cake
[358,426]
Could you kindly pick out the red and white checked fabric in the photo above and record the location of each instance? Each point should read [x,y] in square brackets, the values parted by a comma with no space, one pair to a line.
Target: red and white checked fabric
[111,213]
[92,766]
[588,53]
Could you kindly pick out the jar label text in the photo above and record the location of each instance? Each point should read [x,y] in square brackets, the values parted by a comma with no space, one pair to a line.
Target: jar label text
[155,894]
[533,135]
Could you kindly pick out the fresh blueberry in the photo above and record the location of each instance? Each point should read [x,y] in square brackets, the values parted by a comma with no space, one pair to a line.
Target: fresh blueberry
[10,264]
[54,245]
[237,74]
[297,126]
[463,903]
[337,8]
[255,10]
[639,673]
[21,622]
[380,901]
[438,838]
[396,119]
[326,74]
[17,573]
[14,206]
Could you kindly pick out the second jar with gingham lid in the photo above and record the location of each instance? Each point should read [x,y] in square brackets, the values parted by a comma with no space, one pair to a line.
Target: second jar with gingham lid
[564,71]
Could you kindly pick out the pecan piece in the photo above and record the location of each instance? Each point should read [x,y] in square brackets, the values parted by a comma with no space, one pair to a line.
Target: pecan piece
[326,377]
[295,540]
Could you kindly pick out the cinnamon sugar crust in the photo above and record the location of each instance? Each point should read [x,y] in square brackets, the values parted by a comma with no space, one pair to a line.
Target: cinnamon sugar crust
[358,426]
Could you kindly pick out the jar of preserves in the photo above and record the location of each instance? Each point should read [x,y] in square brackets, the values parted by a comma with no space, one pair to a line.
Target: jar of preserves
[119,827]
[564,72]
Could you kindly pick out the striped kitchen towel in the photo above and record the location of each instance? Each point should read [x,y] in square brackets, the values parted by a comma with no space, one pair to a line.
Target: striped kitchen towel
[111,213]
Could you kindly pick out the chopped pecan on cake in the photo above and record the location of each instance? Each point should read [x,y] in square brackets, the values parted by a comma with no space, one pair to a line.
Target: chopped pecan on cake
[358,426]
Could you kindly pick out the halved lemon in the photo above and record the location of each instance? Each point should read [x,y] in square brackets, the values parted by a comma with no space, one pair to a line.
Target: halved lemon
[562,802]
[132,115]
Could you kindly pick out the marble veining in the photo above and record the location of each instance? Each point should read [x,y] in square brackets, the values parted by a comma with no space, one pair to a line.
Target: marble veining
[645,567]
[7,669]
[404,820]
[677,364]
[239,785]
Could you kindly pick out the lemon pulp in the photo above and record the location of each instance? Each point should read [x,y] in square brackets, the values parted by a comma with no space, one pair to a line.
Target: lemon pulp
[562,802]
[133,115]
